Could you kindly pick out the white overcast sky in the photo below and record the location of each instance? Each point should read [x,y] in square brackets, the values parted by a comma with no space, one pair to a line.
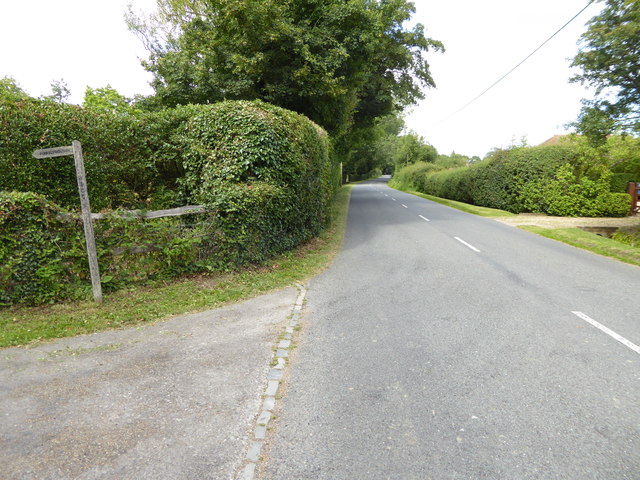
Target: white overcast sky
[86,42]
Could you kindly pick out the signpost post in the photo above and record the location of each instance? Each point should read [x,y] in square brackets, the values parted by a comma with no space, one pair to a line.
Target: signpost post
[76,150]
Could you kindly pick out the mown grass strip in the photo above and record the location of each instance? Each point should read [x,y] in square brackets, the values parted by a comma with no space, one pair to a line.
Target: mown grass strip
[465,207]
[571,236]
[589,241]
[139,305]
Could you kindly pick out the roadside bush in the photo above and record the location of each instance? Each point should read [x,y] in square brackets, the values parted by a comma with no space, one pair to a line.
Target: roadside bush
[619,181]
[43,257]
[265,171]
[568,197]
[265,174]
[32,237]
[132,161]
[412,176]
[529,179]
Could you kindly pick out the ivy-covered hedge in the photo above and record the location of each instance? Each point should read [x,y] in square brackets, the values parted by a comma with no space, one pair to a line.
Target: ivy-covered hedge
[132,161]
[534,179]
[32,237]
[267,172]
[43,257]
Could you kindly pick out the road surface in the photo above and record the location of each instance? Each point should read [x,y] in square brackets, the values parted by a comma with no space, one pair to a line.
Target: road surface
[441,345]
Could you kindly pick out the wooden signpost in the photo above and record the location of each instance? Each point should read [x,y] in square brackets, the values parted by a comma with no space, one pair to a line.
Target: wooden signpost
[76,150]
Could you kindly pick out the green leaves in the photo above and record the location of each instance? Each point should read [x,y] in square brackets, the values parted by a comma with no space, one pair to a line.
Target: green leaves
[530,179]
[43,257]
[338,62]
[266,173]
[610,61]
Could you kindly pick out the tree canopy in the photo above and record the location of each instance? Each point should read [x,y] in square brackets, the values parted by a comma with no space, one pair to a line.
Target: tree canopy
[341,63]
[610,61]
[106,100]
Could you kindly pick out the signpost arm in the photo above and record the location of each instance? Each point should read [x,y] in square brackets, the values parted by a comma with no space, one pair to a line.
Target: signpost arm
[87,222]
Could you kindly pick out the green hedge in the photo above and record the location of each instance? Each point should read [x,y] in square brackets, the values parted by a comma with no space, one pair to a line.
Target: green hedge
[43,257]
[530,179]
[266,175]
[32,245]
[132,161]
[266,172]
[619,181]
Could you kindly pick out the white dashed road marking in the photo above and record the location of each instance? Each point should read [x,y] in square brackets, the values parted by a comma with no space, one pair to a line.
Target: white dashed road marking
[608,331]
[467,244]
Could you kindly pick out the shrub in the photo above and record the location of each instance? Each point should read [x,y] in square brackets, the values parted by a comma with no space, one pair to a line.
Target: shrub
[43,256]
[264,173]
[264,170]
[619,181]
[412,176]
[533,179]
[569,197]
[132,161]
[32,239]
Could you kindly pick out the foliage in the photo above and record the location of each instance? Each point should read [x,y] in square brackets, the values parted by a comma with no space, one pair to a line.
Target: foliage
[265,171]
[570,197]
[412,148]
[546,179]
[106,100]
[43,257]
[31,237]
[619,154]
[340,63]
[137,305]
[413,175]
[10,91]
[610,62]
[455,160]
[631,238]
[371,148]
[59,91]
[131,161]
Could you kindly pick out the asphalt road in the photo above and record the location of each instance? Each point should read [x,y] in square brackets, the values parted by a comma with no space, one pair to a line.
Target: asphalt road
[441,345]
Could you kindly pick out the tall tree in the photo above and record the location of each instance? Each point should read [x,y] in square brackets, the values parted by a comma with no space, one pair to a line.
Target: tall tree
[609,58]
[59,91]
[340,62]
[106,100]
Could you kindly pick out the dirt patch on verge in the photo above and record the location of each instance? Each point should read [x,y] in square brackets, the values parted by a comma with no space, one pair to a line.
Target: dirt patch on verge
[544,221]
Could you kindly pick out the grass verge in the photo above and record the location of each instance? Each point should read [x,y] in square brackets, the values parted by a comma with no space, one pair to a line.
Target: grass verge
[465,207]
[571,236]
[590,241]
[139,305]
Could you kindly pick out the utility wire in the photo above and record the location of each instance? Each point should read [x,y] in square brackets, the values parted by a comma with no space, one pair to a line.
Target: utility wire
[520,63]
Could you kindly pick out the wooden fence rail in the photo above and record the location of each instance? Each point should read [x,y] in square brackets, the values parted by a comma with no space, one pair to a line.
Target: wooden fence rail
[171,212]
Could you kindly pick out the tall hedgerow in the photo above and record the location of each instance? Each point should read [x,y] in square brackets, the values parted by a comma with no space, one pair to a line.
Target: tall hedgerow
[131,160]
[267,172]
[528,179]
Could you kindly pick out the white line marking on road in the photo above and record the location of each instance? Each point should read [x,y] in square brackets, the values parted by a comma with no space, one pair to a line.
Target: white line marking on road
[404,205]
[393,199]
[467,244]
[386,195]
[425,219]
[608,331]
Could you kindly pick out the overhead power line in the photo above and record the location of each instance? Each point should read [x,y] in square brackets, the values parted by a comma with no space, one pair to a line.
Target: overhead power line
[519,63]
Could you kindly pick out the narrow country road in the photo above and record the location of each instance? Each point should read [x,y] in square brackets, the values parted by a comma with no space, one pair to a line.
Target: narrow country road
[441,345]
